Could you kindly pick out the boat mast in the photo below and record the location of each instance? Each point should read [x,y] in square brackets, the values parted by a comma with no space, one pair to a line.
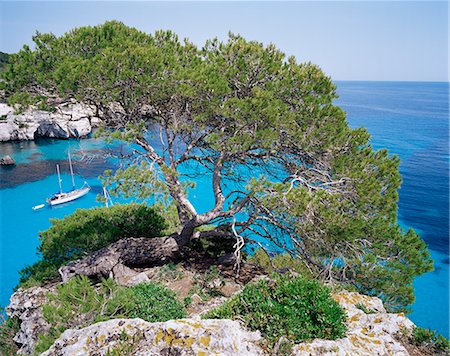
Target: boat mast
[71,172]
[108,199]
[59,179]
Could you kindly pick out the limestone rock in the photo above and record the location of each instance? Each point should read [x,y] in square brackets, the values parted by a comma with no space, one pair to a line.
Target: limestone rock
[95,121]
[173,337]
[26,305]
[7,161]
[5,110]
[137,279]
[69,119]
[368,334]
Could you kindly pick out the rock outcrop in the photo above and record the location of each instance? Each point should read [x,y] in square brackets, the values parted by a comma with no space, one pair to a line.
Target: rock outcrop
[7,161]
[371,330]
[173,337]
[26,304]
[70,119]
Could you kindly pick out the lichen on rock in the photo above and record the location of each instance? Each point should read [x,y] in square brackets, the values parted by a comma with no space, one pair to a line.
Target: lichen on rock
[180,337]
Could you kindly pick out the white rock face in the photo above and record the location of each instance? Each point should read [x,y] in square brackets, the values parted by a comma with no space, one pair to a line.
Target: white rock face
[26,305]
[173,337]
[368,334]
[69,120]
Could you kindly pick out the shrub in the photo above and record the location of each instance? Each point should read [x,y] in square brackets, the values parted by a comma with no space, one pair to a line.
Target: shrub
[8,329]
[40,272]
[88,230]
[79,303]
[154,302]
[430,339]
[295,308]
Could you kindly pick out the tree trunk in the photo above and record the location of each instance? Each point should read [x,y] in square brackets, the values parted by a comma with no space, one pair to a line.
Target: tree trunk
[118,258]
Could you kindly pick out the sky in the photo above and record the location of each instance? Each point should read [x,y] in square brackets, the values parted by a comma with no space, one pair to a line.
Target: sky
[349,40]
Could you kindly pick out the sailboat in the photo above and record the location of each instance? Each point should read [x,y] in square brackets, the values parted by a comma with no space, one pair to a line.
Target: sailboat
[64,197]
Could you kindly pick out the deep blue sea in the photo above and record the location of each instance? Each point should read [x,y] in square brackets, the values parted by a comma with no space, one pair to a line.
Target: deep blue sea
[410,119]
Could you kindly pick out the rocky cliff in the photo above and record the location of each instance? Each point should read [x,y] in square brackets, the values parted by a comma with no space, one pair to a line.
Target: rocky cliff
[70,119]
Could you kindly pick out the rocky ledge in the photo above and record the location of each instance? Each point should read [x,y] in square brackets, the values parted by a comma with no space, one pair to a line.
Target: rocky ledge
[70,119]
[371,331]
[26,304]
[173,337]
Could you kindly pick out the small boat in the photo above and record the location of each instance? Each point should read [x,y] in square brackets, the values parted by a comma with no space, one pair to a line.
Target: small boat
[64,197]
[37,207]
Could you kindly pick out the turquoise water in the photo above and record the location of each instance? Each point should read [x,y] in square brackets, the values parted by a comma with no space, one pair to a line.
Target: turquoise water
[410,119]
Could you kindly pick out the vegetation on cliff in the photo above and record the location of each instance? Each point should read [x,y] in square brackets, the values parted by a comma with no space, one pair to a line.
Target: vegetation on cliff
[4,60]
[78,303]
[296,309]
[86,231]
[319,191]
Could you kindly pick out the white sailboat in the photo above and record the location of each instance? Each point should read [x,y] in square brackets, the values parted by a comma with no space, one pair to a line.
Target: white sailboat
[64,197]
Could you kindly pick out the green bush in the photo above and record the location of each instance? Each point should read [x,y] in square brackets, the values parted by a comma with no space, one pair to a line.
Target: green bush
[88,230]
[8,329]
[79,303]
[297,308]
[40,272]
[430,339]
[154,302]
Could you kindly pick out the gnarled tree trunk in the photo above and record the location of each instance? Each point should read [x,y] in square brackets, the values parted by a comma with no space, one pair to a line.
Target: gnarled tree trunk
[118,258]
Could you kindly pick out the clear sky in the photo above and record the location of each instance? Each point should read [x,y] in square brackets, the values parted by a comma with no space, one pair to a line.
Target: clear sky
[350,40]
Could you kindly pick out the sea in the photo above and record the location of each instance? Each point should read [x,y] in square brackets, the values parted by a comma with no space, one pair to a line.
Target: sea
[411,119]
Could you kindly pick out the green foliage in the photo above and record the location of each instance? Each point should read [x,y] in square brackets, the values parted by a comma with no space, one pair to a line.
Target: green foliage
[126,345]
[8,329]
[138,181]
[88,230]
[324,195]
[297,308]
[4,60]
[40,272]
[430,339]
[79,303]
[364,309]
[280,261]
[154,302]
